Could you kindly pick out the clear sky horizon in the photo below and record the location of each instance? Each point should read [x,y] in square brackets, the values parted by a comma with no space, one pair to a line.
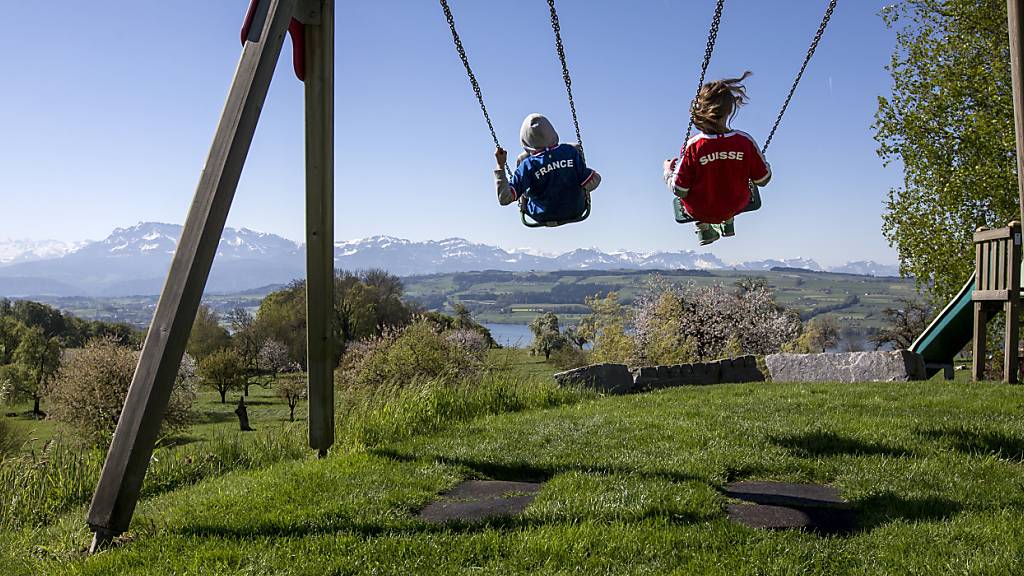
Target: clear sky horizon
[107,113]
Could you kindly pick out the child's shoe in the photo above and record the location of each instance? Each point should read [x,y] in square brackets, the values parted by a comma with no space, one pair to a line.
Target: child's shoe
[707,234]
[728,228]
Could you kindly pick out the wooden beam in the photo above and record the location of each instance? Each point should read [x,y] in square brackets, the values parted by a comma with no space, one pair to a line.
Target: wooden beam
[993,234]
[117,493]
[320,225]
[1015,27]
[990,295]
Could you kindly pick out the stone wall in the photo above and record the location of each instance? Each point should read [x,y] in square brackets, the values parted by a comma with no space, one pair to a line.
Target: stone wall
[896,366]
[619,379]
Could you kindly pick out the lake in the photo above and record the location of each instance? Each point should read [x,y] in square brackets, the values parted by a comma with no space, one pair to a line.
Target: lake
[511,335]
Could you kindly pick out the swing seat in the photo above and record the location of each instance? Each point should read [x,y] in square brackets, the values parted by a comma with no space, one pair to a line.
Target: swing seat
[529,222]
[683,218]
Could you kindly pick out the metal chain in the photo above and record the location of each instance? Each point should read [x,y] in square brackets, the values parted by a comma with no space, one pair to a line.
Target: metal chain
[807,59]
[565,73]
[712,37]
[472,77]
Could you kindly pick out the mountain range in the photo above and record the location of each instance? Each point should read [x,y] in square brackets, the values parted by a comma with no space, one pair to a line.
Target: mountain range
[134,261]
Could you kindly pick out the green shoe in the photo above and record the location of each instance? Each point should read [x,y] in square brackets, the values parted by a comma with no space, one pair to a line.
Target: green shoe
[728,228]
[707,234]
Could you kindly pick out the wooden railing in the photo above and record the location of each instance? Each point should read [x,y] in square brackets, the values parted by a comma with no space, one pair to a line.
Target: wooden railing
[997,286]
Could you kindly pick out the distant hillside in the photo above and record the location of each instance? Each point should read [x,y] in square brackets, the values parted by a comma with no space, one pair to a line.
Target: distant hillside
[135,260]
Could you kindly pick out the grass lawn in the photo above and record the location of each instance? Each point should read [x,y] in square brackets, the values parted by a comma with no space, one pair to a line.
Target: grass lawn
[933,469]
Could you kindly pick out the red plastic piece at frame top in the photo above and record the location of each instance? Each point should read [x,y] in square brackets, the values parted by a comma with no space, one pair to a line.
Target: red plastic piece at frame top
[296,30]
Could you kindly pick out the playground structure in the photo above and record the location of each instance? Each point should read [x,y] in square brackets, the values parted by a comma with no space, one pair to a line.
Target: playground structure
[312,28]
[994,286]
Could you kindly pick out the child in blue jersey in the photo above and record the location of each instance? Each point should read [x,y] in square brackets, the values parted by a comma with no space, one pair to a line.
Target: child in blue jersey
[551,180]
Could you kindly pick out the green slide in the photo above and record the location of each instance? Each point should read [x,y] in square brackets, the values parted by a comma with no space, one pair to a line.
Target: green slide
[948,333]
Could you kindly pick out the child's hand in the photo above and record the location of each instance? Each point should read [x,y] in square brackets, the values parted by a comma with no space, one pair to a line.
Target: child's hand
[670,165]
[501,156]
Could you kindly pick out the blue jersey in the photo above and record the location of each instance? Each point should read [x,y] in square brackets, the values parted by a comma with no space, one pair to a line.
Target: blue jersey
[552,183]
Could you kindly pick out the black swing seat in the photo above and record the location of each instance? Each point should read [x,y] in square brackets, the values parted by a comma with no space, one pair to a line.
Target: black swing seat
[683,218]
[529,222]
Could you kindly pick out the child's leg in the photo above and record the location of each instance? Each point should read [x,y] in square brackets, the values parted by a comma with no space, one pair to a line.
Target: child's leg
[728,228]
[706,233]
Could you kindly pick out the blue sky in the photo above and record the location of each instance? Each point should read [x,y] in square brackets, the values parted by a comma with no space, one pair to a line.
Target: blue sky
[107,110]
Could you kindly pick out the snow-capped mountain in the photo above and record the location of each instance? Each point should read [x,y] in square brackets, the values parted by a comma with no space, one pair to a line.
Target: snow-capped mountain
[135,260]
[14,251]
[801,263]
[867,268]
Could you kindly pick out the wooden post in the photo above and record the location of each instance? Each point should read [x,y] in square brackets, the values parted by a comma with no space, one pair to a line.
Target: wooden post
[128,458]
[979,350]
[1015,26]
[1011,366]
[319,52]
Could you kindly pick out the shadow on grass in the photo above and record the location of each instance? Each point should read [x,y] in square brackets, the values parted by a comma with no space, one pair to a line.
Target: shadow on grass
[979,442]
[887,507]
[318,526]
[215,416]
[823,443]
[523,472]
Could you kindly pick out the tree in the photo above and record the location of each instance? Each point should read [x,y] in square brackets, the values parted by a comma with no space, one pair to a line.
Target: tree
[463,320]
[903,324]
[820,334]
[606,328]
[37,315]
[547,337]
[224,371]
[247,339]
[10,335]
[38,359]
[291,390]
[274,358]
[949,123]
[282,317]
[89,391]
[207,336]
[575,337]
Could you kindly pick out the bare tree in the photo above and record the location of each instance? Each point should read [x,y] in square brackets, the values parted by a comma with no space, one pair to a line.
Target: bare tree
[903,324]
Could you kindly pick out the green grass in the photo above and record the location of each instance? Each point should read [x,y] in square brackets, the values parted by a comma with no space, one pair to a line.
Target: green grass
[933,469]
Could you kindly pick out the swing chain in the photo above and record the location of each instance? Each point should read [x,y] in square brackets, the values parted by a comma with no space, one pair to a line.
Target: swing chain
[472,77]
[712,37]
[807,59]
[565,73]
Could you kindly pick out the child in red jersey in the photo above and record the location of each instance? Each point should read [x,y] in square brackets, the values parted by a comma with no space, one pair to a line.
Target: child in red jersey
[718,164]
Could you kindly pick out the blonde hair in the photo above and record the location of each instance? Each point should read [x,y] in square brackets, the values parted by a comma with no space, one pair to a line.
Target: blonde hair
[717,103]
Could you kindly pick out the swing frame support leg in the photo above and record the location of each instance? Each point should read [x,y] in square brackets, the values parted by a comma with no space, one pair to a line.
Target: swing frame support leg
[319,56]
[128,458]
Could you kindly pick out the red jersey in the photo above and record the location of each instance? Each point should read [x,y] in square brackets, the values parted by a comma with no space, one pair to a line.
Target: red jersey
[714,175]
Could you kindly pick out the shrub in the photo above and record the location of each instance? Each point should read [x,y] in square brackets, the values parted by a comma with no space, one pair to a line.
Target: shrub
[400,357]
[470,341]
[569,357]
[89,391]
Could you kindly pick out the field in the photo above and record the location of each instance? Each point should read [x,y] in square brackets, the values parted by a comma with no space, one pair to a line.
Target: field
[633,486]
[507,297]
[517,297]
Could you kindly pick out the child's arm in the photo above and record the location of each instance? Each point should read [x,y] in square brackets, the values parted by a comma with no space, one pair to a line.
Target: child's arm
[592,181]
[506,192]
[677,177]
[760,171]
[589,178]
